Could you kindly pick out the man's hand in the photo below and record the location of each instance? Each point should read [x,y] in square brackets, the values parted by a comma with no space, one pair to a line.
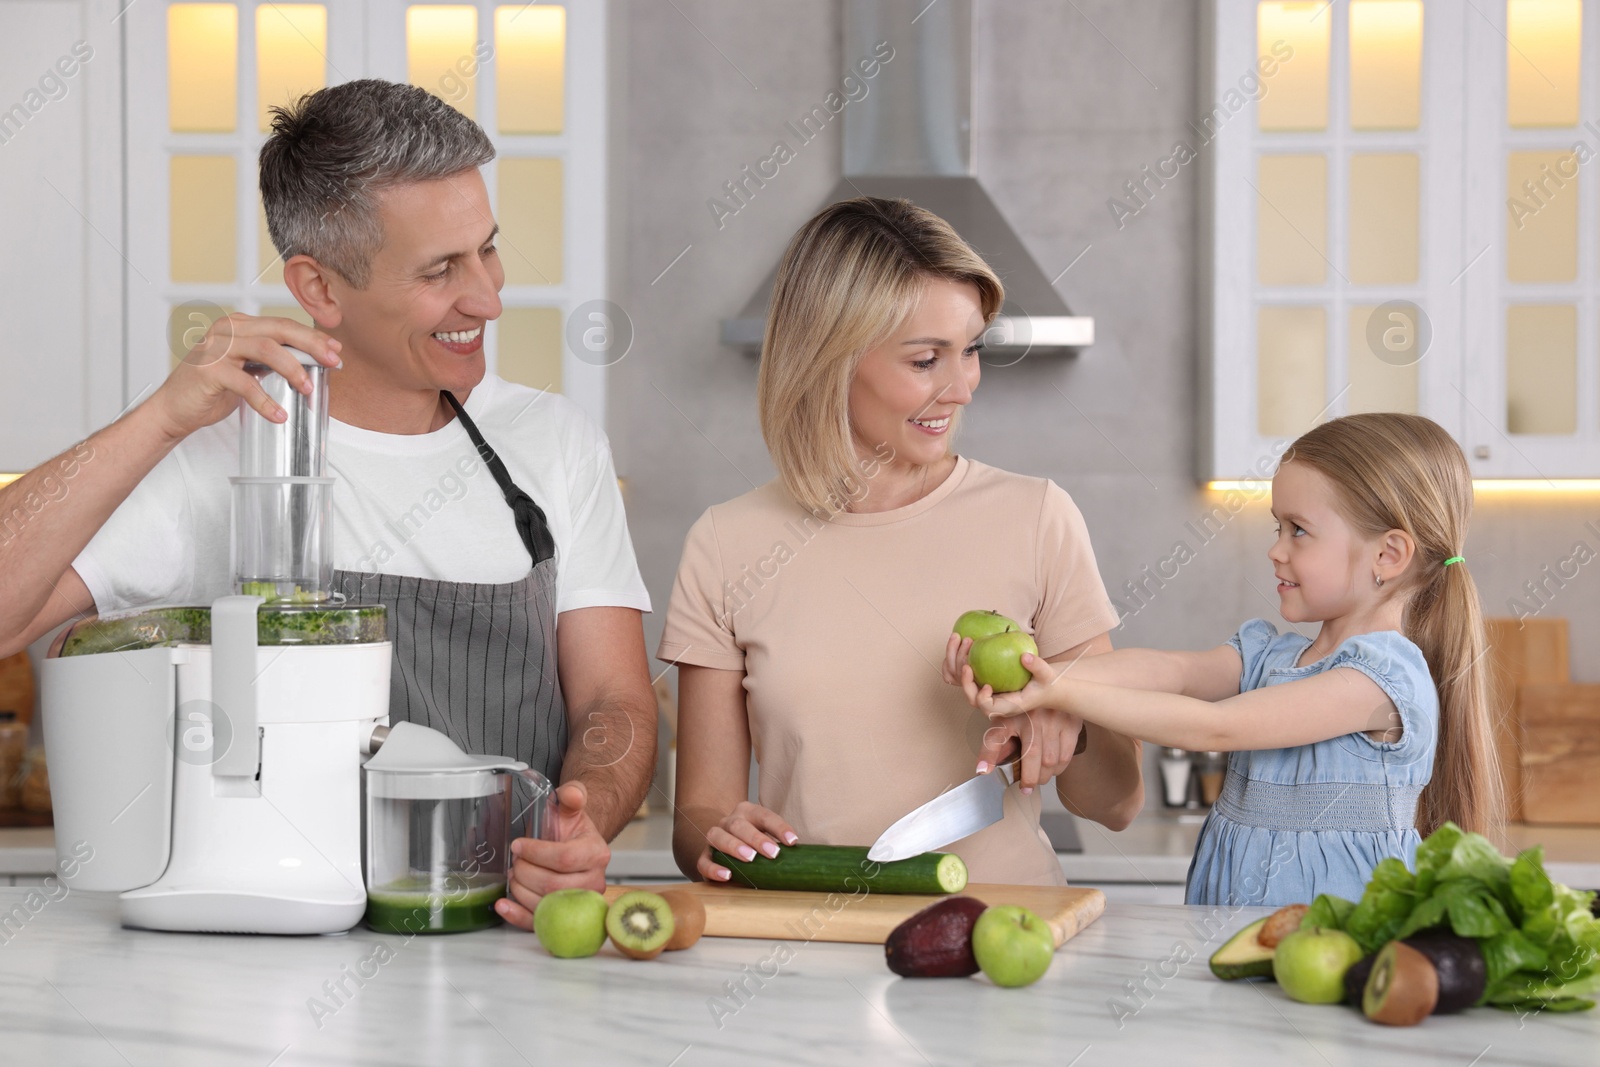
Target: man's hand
[575,860]
[208,384]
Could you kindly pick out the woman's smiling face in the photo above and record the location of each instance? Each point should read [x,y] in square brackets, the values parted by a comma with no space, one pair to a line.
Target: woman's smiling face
[907,392]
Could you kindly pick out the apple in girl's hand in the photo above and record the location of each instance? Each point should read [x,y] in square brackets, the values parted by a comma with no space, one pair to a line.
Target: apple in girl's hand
[997,660]
[976,624]
[1012,945]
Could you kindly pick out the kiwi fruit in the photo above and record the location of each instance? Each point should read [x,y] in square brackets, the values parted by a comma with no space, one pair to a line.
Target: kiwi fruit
[688,919]
[1403,987]
[640,924]
[1281,924]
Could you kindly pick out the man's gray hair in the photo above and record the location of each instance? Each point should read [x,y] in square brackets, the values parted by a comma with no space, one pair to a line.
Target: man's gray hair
[332,152]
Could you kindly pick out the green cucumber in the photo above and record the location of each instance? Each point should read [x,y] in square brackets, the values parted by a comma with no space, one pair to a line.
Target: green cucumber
[846,869]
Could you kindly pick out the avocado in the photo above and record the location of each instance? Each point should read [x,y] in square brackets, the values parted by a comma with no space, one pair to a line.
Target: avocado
[936,942]
[1459,963]
[1355,979]
[1243,955]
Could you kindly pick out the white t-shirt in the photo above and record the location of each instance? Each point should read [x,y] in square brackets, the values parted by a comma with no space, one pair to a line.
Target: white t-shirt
[420,505]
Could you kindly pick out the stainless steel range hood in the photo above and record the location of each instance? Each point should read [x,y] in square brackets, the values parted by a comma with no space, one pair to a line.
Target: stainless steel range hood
[911,136]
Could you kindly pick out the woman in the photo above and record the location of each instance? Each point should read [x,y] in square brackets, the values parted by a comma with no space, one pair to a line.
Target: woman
[809,616]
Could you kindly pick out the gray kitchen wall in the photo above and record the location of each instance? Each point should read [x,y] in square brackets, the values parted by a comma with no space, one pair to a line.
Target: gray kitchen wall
[1072,99]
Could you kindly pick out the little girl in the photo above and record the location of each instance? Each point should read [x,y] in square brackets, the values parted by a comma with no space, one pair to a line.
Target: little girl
[1343,747]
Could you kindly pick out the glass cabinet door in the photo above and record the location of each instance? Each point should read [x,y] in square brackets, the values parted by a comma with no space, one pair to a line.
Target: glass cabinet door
[1334,152]
[1532,402]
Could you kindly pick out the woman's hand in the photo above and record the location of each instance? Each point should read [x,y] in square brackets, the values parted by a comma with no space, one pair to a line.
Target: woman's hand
[1049,739]
[955,658]
[748,830]
[1040,692]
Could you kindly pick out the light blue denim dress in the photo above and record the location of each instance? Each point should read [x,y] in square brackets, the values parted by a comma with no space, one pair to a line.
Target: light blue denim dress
[1295,822]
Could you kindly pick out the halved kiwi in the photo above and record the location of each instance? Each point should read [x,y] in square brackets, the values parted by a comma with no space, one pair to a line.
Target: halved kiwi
[640,924]
[1403,987]
[688,919]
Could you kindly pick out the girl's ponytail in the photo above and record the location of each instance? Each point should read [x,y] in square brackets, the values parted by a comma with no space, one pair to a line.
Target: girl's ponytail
[1446,623]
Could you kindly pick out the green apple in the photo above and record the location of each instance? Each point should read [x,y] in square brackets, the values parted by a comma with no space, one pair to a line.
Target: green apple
[1012,945]
[976,624]
[997,661]
[571,923]
[1310,964]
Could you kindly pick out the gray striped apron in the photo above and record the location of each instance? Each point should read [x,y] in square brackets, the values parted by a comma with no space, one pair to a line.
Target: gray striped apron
[477,661]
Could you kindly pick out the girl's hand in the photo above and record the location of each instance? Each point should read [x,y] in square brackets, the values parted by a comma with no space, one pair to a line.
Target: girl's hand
[748,830]
[955,658]
[1036,694]
[1049,739]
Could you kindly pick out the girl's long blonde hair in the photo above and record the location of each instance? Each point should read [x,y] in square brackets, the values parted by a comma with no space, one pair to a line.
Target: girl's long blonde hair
[850,276]
[1404,472]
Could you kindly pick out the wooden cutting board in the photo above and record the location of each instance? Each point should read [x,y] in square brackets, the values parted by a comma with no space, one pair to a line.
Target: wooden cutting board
[16,686]
[1560,753]
[782,915]
[1527,651]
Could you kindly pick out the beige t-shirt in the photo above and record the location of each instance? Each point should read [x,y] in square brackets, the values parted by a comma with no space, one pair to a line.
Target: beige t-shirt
[839,625]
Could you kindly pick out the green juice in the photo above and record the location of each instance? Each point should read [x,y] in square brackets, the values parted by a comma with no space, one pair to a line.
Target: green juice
[416,908]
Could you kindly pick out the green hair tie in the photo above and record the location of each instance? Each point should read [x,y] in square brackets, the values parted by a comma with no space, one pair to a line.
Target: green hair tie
[1455,559]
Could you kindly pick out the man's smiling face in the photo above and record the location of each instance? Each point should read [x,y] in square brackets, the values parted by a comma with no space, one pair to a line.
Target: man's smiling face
[434,282]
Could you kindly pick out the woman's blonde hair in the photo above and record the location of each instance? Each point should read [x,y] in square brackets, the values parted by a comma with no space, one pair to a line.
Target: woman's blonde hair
[849,278]
[1404,472]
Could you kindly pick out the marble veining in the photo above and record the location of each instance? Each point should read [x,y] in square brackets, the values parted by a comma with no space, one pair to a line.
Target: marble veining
[1131,989]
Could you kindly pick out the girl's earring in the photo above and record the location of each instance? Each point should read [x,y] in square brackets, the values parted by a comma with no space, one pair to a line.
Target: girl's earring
[1378,580]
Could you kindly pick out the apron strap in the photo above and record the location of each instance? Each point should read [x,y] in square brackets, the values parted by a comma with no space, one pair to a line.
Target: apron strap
[531,524]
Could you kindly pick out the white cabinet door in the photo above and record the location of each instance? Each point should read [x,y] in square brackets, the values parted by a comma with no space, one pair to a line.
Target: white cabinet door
[61,281]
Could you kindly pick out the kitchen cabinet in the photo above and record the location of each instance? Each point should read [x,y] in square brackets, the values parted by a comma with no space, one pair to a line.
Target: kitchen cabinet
[61,279]
[1401,218]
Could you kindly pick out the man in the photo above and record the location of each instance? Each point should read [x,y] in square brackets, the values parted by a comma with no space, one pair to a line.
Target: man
[484,515]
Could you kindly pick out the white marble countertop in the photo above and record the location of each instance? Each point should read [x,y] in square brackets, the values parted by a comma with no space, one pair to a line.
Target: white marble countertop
[1154,850]
[75,988]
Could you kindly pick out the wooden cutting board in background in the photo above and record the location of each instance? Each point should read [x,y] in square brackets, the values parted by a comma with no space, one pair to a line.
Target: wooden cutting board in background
[1525,651]
[16,686]
[1560,753]
[782,915]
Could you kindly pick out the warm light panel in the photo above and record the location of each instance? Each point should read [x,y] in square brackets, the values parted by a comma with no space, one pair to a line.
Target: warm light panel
[1542,368]
[1544,49]
[441,54]
[202,67]
[1291,362]
[1376,383]
[529,213]
[1541,217]
[291,54]
[529,347]
[203,231]
[1298,98]
[530,48]
[1384,218]
[1385,64]
[1292,219]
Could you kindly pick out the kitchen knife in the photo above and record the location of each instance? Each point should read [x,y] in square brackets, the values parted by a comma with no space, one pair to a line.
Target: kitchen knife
[948,817]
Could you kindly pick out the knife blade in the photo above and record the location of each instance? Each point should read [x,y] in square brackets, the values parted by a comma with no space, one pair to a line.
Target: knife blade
[948,817]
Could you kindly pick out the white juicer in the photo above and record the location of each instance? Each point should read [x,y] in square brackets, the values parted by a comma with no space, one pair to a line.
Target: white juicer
[206,763]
